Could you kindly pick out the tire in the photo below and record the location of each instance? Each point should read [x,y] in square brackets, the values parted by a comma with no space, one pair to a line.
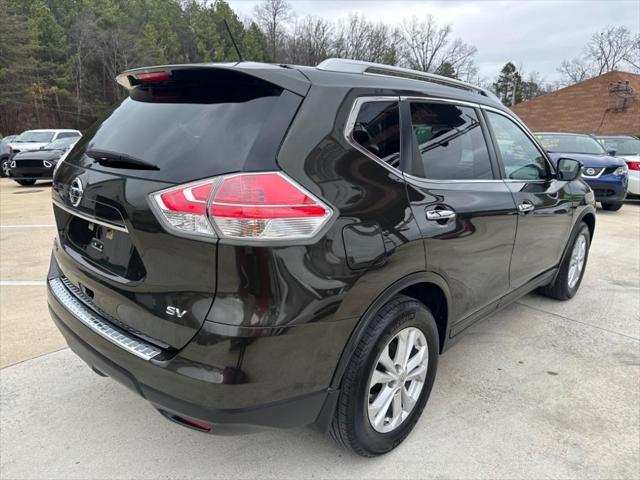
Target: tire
[4,167]
[612,207]
[26,183]
[566,285]
[351,426]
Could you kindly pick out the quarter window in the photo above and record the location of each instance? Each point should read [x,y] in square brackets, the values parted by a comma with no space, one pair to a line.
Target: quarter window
[377,129]
[520,157]
[450,142]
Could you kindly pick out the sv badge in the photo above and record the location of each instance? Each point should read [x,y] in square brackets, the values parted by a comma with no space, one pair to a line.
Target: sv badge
[175,312]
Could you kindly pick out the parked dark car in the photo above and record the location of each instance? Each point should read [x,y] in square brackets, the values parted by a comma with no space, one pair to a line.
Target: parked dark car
[31,165]
[606,174]
[5,156]
[251,245]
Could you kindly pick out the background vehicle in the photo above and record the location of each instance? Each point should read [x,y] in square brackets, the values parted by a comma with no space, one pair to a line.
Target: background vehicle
[36,139]
[251,245]
[627,148]
[5,155]
[9,138]
[605,174]
[32,165]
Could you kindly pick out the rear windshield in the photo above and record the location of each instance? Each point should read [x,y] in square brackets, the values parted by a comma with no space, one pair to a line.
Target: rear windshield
[198,128]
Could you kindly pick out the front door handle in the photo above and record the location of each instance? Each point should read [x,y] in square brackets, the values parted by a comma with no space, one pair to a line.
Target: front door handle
[525,207]
[436,215]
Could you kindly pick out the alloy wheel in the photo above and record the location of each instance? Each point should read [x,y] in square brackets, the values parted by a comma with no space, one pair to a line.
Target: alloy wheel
[576,262]
[397,379]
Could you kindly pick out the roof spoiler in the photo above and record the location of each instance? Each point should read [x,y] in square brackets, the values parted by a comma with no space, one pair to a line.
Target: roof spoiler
[287,78]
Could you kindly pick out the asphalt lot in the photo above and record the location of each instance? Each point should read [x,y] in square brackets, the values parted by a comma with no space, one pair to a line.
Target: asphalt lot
[542,389]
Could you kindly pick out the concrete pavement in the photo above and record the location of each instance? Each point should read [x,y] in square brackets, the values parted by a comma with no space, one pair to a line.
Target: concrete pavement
[542,389]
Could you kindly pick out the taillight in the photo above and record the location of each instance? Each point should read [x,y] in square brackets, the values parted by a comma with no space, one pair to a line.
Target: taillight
[244,206]
[634,166]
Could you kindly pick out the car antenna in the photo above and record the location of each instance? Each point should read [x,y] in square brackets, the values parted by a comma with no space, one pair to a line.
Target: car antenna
[235,45]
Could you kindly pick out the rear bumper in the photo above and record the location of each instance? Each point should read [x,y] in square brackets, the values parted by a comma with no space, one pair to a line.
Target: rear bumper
[206,380]
[287,413]
[609,188]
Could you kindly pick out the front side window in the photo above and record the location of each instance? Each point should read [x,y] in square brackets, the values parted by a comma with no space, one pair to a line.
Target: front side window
[377,129]
[450,142]
[520,157]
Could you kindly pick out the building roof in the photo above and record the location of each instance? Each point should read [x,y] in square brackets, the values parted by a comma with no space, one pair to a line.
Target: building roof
[607,104]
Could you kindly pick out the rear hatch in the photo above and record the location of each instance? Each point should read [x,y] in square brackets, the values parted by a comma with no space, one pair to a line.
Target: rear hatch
[179,124]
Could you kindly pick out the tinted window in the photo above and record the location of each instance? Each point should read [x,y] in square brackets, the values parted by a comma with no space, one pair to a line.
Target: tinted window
[450,142]
[377,129]
[570,144]
[520,157]
[204,126]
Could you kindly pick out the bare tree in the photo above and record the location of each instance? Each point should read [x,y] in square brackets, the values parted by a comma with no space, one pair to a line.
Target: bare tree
[574,70]
[359,39]
[428,47]
[273,16]
[610,48]
[310,41]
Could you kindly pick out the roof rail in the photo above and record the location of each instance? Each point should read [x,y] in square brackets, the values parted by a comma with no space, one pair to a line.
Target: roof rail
[370,68]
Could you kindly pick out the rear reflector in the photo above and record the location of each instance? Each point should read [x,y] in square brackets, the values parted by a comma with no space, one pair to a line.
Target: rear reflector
[192,423]
[244,206]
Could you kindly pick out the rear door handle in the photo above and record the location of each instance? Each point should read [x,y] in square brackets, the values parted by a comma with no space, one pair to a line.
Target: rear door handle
[526,207]
[435,215]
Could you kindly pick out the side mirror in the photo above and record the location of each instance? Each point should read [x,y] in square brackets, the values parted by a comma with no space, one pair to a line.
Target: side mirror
[569,169]
[612,152]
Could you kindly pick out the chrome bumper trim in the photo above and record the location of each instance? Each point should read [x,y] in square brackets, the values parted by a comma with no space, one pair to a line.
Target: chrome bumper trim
[105,329]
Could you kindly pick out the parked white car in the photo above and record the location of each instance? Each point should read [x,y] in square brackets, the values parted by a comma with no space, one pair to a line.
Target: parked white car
[628,148]
[36,139]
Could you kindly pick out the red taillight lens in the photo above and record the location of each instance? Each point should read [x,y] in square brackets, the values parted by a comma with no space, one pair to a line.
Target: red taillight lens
[263,196]
[250,206]
[634,166]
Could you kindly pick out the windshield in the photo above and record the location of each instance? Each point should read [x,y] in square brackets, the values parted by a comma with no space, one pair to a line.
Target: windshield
[570,144]
[622,145]
[33,136]
[61,143]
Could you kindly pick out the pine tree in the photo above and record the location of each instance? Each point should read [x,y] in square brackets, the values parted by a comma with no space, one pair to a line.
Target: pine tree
[508,80]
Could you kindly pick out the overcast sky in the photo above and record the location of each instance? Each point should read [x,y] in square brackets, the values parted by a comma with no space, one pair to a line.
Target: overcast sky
[536,34]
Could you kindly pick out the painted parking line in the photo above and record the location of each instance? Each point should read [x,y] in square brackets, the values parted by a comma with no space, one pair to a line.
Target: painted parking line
[23,283]
[41,225]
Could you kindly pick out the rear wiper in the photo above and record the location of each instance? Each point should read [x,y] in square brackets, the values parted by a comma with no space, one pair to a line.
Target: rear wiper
[119,160]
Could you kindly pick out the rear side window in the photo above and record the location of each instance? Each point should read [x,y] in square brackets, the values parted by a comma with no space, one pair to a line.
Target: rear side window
[201,126]
[450,142]
[377,129]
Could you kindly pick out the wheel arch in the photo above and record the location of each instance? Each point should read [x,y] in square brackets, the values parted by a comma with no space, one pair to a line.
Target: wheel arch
[427,287]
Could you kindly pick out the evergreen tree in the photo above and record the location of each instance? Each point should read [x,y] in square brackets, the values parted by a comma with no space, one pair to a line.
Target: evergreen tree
[508,81]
